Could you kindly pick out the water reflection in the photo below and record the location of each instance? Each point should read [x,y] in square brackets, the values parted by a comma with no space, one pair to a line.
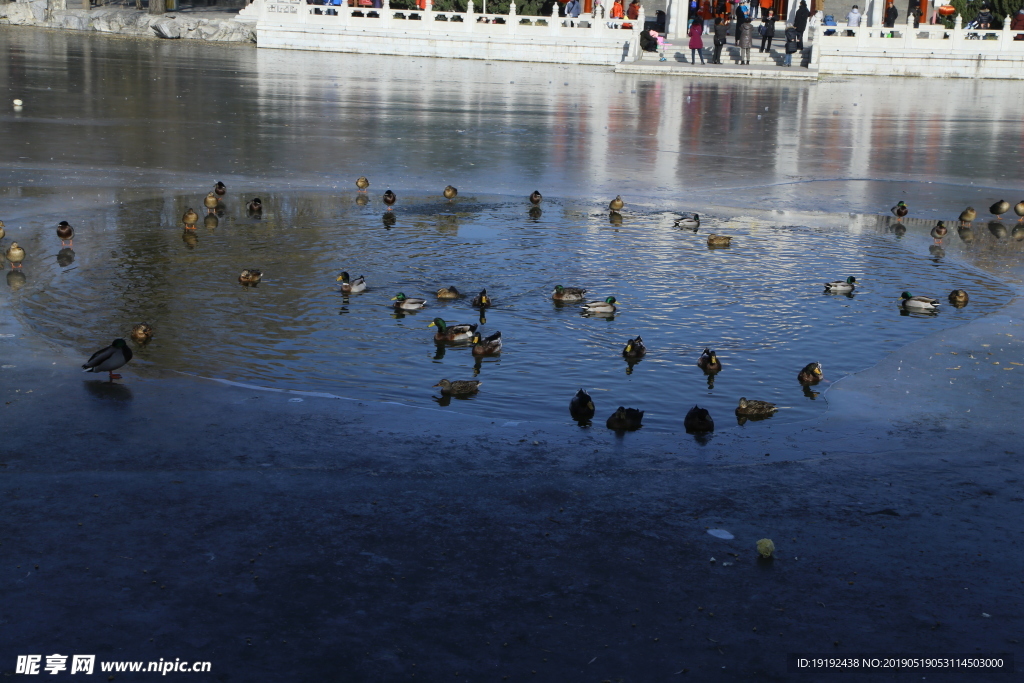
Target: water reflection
[65,257]
[16,279]
[108,390]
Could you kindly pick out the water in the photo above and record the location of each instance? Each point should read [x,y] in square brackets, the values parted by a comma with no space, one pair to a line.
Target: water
[759,303]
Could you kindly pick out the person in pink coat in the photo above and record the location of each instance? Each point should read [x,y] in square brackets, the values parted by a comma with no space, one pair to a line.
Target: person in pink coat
[696,42]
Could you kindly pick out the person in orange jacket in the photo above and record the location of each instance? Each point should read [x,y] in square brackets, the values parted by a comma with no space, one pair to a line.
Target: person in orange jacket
[617,12]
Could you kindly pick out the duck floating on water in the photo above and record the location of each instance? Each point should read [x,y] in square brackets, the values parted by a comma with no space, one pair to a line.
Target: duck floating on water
[568,293]
[250,277]
[349,286]
[959,298]
[698,421]
[918,303]
[461,387]
[753,408]
[109,359]
[142,333]
[3,231]
[481,300]
[690,223]
[635,348]
[625,420]
[811,374]
[406,303]
[452,333]
[448,293]
[606,307]
[581,407]
[842,286]
[487,346]
[66,233]
[536,197]
[719,240]
[708,361]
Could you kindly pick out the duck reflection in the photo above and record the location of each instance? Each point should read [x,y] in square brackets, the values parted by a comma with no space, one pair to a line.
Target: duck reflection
[211,221]
[811,393]
[108,390]
[997,229]
[631,363]
[440,350]
[899,230]
[615,218]
[16,279]
[65,257]
[535,213]
[918,313]
[389,219]
[362,200]
[966,234]
[936,251]
[1018,233]
[189,238]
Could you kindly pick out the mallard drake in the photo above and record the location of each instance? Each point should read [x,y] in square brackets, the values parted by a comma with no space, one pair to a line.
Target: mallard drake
[448,293]
[189,218]
[999,208]
[220,189]
[847,285]
[250,276]
[535,198]
[351,286]
[450,192]
[634,348]
[362,183]
[755,408]
[568,293]
[939,231]
[15,255]
[487,346]
[142,333]
[689,223]
[481,300]
[605,307]
[966,234]
[459,387]
[255,207]
[1018,209]
[919,303]
[109,359]
[719,240]
[211,202]
[407,303]
[451,333]
[389,198]
[66,233]
[3,232]
[811,374]
[708,361]
[698,421]
[900,210]
[625,419]
[958,298]
[616,204]
[581,407]
[968,215]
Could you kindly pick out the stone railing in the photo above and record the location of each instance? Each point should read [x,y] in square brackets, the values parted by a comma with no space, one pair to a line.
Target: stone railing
[933,38]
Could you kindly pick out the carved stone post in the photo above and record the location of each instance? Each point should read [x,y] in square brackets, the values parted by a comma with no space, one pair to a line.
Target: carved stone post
[468,19]
[554,25]
[512,19]
[958,34]
[428,13]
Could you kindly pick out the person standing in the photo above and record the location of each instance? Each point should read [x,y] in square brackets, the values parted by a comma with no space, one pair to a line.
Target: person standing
[746,39]
[767,31]
[617,12]
[696,42]
[721,35]
[765,6]
[633,11]
[800,21]
[853,18]
[891,15]
[740,19]
[707,15]
[792,44]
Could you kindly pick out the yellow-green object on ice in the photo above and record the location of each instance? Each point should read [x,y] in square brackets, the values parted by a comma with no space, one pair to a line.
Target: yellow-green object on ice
[765,547]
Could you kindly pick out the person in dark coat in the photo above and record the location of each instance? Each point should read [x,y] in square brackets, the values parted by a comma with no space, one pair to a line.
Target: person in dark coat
[721,35]
[800,21]
[648,43]
[746,40]
[767,31]
[740,18]
[891,14]
[792,45]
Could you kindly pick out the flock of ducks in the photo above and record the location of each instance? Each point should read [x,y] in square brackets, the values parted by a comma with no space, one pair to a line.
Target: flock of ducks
[581,407]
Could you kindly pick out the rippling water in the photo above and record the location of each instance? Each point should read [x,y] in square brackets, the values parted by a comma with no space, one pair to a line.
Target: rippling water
[758,303]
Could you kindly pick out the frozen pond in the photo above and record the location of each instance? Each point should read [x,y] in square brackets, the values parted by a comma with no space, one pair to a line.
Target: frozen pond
[119,136]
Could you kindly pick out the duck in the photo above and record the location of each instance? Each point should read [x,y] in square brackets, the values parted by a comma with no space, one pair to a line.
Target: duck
[109,359]
[66,233]
[568,293]
[448,293]
[719,240]
[999,208]
[389,198]
[605,307]
[918,303]
[847,285]
[536,197]
[461,387]
[255,206]
[581,407]
[811,374]
[481,300]
[755,408]
[939,231]
[1018,209]
[15,255]
[211,202]
[189,218]
[625,419]
[698,421]
[487,346]
[250,277]
[708,361]
[692,223]
[142,333]
[450,192]
[362,183]
[958,298]
[350,286]
[3,231]
[616,204]
[968,215]
[900,210]
[220,189]
[635,348]
[451,333]
[408,303]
